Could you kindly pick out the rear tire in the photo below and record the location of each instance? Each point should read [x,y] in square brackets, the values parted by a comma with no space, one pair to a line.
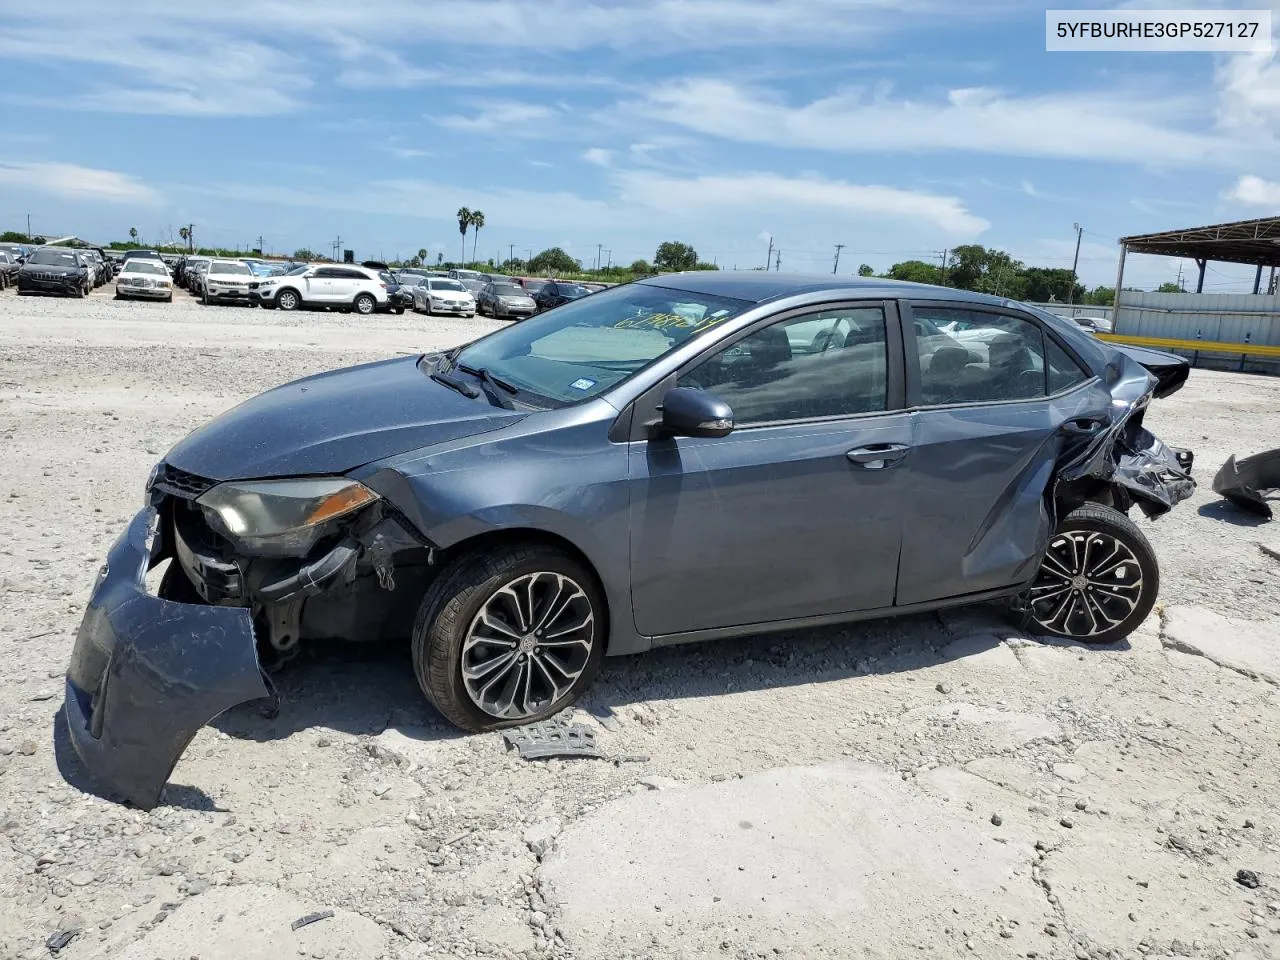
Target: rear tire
[1099,579]
[364,304]
[515,588]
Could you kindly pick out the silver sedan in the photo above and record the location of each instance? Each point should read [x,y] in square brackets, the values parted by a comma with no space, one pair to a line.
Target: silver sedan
[443,295]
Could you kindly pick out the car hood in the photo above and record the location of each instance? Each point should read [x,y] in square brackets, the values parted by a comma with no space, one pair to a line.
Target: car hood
[334,422]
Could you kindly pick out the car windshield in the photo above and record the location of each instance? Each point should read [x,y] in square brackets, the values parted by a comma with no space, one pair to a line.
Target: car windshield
[226,266]
[51,256]
[508,290]
[145,266]
[533,286]
[452,285]
[475,286]
[581,349]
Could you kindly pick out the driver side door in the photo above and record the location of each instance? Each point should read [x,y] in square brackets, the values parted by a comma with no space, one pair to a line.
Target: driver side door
[794,513]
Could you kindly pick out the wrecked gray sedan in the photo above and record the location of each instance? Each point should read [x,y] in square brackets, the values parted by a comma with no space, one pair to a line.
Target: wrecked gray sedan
[689,457]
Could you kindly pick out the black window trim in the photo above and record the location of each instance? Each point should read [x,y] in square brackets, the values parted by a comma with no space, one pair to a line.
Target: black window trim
[640,416]
[911,353]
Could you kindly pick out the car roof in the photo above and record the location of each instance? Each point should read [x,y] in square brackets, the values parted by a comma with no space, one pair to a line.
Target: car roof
[758,286]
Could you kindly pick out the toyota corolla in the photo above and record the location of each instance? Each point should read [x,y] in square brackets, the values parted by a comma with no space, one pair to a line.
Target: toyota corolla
[689,457]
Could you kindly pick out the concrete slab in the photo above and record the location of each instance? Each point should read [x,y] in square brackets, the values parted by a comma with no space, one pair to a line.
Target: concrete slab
[839,859]
[1248,647]
[252,922]
[998,729]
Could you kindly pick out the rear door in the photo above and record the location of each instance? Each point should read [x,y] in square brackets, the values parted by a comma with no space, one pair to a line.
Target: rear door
[990,390]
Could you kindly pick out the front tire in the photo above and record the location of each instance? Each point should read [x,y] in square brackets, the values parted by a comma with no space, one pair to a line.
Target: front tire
[364,304]
[1099,579]
[508,636]
[288,300]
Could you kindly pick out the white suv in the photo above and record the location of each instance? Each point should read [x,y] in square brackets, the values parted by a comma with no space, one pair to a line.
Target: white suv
[338,285]
[227,280]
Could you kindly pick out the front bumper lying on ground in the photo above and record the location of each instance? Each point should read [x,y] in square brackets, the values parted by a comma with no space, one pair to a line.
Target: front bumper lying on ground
[146,673]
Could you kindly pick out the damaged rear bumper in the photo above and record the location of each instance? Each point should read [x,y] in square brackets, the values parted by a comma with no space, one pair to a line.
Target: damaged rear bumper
[1246,482]
[146,673]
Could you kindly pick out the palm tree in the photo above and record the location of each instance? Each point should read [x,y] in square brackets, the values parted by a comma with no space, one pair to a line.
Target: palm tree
[422,256]
[133,234]
[464,221]
[477,221]
[185,234]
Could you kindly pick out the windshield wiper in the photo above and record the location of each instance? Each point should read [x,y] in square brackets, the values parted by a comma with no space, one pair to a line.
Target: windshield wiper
[492,385]
[463,388]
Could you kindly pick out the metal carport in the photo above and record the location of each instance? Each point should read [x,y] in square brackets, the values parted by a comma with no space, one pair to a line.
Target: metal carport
[1255,242]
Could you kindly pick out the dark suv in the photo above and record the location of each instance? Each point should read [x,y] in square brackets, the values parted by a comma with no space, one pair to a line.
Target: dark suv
[55,270]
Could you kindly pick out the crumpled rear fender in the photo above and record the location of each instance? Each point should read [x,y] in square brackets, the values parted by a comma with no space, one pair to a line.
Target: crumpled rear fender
[147,673]
[1244,482]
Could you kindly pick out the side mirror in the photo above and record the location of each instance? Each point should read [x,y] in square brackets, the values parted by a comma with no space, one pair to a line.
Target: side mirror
[687,412]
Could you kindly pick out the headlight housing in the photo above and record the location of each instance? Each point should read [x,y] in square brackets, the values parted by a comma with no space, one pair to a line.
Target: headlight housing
[282,517]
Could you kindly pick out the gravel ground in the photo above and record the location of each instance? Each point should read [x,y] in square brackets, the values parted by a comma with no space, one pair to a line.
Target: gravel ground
[933,786]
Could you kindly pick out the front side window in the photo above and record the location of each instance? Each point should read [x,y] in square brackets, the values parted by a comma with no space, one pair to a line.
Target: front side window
[586,346]
[829,364]
[972,356]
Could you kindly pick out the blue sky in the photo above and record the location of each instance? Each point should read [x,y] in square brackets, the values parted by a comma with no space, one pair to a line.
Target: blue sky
[896,128]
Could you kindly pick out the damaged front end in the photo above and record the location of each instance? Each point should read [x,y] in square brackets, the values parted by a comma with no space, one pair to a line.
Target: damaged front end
[253,568]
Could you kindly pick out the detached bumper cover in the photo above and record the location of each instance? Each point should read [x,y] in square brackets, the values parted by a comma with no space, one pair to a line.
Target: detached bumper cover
[1246,482]
[146,674]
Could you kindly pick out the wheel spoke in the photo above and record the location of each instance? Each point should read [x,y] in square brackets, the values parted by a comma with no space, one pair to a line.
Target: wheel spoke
[1055,566]
[586,621]
[493,669]
[505,633]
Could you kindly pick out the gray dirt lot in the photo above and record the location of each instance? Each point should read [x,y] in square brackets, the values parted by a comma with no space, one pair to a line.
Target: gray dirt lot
[938,786]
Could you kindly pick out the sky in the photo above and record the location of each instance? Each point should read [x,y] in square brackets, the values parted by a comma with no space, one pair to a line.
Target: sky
[898,128]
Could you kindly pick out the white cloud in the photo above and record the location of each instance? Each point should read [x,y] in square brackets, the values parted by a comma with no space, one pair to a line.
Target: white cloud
[753,192]
[1120,125]
[1254,191]
[77,183]
[1249,93]
[508,117]
[598,156]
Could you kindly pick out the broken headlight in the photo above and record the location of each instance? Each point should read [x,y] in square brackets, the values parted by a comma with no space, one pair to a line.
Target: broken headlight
[281,517]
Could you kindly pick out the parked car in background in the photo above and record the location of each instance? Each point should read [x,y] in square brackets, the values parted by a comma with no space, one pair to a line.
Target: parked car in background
[144,278]
[101,272]
[150,254]
[56,270]
[225,280]
[466,275]
[17,253]
[335,286]
[496,278]
[195,275]
[557,292]
[532,285]
[501,299]
[9,268]
[444,295]
[475,286]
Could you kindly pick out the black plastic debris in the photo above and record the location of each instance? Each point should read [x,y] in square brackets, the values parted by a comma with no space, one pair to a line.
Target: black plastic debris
[1247,482]
[555,737]
[311,918]
[59,939]
[1247,878]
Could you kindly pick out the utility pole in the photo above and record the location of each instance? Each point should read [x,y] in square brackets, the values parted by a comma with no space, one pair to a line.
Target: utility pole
[28,226]
[769,256]
[609,256]
[777,262]
[1180,276]
[599,247]
[511,252]
[943,261]
[261,246]
[1071,294]
[836,266]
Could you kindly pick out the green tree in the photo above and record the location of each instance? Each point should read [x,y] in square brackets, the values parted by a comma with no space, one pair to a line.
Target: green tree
[185,234]
[12,236]
[477,221]
[439,258]
[916,271]
[464,223]
[1169,287]
[1051,283]
[674,255]
[640,267]
[554,260]
[133,234]
[866,270]
[1100,297]
[422,256]
[304,254]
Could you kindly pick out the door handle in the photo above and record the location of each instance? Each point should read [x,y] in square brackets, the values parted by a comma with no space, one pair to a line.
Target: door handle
[877,456]
[1082,426]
